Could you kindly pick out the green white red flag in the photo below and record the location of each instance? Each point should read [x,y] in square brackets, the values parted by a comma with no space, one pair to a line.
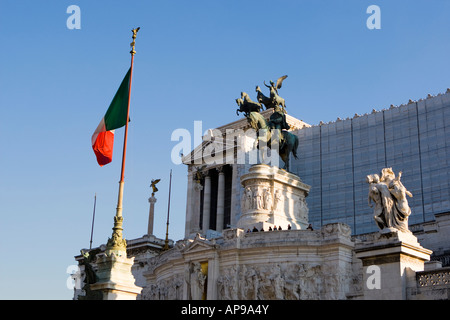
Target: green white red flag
[114,118]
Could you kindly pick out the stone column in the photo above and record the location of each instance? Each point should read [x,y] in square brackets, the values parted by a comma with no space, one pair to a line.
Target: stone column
[235,189]
[213,275]
[189,203]
[220,200]
[151,214]
[197,194]
[206,203]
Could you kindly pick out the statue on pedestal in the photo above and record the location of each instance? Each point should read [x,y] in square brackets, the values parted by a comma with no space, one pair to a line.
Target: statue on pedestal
[277,100]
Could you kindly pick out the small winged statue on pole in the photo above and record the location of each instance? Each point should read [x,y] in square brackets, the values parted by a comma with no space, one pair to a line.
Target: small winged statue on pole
[153,186]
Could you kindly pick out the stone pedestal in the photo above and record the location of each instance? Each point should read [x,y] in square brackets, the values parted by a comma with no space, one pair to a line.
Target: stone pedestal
[273,197]
[390,260]
[115,280]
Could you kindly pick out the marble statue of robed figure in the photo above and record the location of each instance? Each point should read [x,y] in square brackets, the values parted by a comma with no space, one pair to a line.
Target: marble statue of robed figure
[391,209]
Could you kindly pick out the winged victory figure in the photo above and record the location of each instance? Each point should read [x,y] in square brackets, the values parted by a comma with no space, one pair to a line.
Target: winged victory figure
[275,100]
[153,185]
[277,85]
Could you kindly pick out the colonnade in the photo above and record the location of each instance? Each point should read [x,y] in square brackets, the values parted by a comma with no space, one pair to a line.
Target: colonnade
[211,199]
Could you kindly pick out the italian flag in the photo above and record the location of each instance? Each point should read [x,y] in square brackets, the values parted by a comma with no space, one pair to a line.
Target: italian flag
[115,117]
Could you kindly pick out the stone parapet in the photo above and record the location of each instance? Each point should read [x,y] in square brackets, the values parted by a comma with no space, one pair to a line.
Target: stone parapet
[287,264]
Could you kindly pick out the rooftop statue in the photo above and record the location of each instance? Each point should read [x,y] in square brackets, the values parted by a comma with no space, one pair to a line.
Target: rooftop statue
[266,101]
[274,97]
[153,186]
[273,100]
[246,104]
[287,141]
[389,196]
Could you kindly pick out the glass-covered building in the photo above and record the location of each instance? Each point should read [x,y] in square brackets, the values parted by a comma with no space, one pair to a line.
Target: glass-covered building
[335,158]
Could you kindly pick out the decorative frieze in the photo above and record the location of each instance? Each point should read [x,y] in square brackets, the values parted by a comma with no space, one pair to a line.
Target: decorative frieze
[288,265]
[272,197]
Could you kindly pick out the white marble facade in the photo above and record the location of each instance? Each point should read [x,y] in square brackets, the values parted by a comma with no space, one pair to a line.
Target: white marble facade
[219,260]
[226,261]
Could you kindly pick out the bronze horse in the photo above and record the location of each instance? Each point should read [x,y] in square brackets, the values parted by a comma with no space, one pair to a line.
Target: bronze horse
[246,104]
[289,141]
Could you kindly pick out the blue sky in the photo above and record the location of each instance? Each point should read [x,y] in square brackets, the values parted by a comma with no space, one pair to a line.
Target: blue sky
[193,59]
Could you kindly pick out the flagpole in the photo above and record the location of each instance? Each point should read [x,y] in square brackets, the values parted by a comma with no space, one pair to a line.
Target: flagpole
[116,243]
[93,219]
[166,242]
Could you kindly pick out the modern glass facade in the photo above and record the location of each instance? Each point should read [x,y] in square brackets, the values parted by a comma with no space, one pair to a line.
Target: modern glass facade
[335,159]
